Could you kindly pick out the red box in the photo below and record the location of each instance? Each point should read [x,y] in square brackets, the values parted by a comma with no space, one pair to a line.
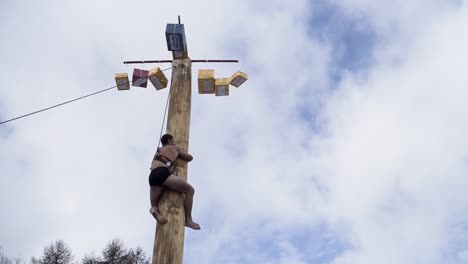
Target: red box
[140,78]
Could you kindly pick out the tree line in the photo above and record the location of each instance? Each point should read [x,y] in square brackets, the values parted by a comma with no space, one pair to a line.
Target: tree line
[59,252]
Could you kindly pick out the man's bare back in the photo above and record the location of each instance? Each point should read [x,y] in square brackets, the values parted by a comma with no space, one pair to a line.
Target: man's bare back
[170,151]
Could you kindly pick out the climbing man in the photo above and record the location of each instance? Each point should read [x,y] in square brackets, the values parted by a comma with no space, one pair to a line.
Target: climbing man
[161,176]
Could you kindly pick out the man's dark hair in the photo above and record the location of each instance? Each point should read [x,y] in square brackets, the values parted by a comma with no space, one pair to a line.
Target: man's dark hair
[165,138]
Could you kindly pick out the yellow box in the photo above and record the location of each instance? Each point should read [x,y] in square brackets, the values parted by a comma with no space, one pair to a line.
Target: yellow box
[206,82]
[121,80]
[238,78]
[157,78]
[222,86]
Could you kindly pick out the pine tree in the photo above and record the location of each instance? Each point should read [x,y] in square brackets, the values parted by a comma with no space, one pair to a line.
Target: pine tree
[56,253]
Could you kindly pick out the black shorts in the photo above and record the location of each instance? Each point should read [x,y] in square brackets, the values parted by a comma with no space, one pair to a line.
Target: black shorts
[158,176]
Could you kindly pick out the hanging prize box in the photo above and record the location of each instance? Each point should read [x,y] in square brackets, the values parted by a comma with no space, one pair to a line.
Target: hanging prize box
[175,37]
[222,86]
[140,78]
[238,78]
[157,78]
[121,80]
[206,82]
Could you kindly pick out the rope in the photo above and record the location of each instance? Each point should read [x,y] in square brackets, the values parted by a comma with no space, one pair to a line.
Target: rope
[79,98]
[164,118]
[42,110]
[165,110]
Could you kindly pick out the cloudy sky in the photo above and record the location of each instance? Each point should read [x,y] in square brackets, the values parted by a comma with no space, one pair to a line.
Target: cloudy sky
[346,145]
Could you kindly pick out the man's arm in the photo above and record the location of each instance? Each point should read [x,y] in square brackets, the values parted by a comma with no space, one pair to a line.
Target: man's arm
[184,155]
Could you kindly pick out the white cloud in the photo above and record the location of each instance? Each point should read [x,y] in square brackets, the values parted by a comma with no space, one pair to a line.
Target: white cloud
[382,167]
[398,157]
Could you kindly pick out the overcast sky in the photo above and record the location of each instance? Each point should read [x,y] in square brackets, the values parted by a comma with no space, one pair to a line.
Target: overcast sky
[346,145]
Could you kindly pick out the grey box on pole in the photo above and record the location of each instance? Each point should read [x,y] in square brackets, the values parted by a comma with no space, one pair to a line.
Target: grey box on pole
[175,37]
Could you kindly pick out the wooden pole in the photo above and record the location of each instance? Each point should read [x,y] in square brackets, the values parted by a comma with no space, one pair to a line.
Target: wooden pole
[169,238]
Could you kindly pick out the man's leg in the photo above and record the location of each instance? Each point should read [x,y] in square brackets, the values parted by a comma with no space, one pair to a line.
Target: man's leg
[155,193]
[179,185]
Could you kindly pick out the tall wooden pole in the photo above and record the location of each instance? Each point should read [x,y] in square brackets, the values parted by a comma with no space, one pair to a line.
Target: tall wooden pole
[169,238]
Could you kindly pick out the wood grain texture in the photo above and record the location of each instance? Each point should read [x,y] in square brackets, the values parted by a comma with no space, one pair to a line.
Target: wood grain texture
[169,238]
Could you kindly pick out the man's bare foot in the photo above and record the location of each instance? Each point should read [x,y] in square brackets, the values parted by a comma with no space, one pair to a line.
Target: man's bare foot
[190,223]
[155,212]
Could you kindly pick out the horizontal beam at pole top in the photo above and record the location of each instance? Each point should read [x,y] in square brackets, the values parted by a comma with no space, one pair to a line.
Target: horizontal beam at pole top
[170,61]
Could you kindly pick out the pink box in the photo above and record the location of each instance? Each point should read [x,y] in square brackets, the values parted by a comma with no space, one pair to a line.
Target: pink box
[140,78]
